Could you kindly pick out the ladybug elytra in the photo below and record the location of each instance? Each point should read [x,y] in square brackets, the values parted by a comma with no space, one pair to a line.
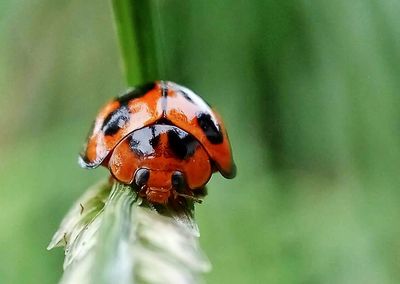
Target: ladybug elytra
[162,139]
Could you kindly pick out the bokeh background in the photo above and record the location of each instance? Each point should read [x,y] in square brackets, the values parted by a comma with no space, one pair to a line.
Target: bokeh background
[309,93]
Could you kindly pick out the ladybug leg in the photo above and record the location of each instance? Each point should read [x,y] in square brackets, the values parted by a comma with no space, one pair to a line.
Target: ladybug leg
[200,192]
[187,196]
[174,194]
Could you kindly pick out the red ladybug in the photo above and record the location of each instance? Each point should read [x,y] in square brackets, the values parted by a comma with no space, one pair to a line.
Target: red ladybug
[162,139]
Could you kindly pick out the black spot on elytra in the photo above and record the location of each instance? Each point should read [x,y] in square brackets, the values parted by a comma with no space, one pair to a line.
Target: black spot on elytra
[155,140]
[164,121]
[137,92]
[141,141]
[187,97]
[182,144]
[115,121]
[134,145]
[211,129]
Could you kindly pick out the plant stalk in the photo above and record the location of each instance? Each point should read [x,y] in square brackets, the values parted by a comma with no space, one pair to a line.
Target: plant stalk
[135,25]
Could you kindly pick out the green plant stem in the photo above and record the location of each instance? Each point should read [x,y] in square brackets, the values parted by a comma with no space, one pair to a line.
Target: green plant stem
[137,38]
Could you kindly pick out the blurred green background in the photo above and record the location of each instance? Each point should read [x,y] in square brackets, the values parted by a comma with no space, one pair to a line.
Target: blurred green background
[308,91]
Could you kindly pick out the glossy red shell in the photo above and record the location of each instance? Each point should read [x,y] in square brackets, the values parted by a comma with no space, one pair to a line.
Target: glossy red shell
[164,102]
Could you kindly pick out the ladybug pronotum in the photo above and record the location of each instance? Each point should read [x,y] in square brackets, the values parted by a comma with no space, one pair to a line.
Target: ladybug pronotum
[162,139]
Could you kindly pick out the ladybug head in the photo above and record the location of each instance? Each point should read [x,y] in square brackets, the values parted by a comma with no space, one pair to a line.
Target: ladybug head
[158,185]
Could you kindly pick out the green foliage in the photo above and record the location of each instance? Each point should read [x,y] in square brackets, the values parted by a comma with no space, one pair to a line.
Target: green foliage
[309,93]
[137,36]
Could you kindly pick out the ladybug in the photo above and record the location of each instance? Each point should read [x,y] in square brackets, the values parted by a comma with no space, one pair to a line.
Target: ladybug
[162,139]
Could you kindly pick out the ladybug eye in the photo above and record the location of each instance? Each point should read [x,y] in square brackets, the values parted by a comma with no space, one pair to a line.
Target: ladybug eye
[141,177]
[178,180]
